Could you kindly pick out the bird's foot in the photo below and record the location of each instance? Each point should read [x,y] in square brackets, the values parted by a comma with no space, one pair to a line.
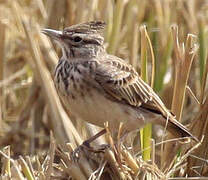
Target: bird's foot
[85,149]
[75,154]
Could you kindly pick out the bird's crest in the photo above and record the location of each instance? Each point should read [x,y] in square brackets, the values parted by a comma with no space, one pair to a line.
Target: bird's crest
[88,28]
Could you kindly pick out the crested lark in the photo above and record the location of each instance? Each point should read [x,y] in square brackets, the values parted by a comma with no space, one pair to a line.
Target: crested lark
[100,87]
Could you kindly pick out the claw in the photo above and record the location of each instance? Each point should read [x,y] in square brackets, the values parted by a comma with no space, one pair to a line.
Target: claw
[85,148]
[76,154]
[103,148]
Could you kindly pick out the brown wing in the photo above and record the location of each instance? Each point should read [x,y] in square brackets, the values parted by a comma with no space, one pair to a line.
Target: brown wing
[122,82]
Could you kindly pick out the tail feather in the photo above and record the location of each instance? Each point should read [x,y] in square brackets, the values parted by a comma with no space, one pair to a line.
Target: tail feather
[176,128]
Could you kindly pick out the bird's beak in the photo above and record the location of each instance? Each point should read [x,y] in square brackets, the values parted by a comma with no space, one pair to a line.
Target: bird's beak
[56,35]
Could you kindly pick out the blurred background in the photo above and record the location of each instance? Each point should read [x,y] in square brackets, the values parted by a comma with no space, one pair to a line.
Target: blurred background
[170,36]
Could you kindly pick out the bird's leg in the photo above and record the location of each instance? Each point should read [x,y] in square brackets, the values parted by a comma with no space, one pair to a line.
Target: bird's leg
[86,146]
[91,139]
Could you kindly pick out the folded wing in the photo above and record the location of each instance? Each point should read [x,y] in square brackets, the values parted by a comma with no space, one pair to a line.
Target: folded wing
[122,83]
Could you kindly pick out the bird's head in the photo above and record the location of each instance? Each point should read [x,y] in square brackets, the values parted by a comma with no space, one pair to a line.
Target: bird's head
[78,41]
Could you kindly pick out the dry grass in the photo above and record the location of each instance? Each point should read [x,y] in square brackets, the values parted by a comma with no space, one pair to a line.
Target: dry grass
[30,109]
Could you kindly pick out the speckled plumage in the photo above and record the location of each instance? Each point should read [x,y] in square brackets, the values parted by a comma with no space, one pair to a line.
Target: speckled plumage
[99,87]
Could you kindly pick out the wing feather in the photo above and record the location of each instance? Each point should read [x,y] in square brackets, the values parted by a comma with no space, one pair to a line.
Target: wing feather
[122,82]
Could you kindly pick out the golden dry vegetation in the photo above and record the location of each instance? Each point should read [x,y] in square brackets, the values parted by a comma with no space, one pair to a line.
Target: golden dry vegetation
[37,135]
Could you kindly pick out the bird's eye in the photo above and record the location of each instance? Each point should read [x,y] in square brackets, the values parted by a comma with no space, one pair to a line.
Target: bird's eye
[77,39]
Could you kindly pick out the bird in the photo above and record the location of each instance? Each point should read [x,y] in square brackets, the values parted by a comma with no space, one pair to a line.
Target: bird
[99,87]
